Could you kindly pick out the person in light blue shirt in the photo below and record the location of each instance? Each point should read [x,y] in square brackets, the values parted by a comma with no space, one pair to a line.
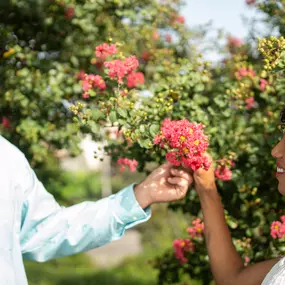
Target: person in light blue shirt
[33,226]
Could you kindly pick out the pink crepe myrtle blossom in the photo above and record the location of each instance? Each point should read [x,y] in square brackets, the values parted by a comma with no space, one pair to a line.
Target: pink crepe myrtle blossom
[91,81]
[282,218]
[250,72]
[234,41]
[263,84]
[104,50]
[118,69]
[224,173]
[246,260]
[197,230]
[182,246]
[146,55]
[185,143]
[131,63]
[69,13]
[125,162]
[134,79]
[250,103]
[180,19]
[244,72]
[6,123]
[278,228]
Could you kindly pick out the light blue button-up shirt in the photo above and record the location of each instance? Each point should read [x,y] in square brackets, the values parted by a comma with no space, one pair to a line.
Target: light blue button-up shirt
[33,226]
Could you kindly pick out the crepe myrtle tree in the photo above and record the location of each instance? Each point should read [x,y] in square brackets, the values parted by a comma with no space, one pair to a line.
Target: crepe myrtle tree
[47,46]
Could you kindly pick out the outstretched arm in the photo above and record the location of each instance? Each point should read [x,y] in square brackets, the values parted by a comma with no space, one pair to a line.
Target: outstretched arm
[49,231]
[227,265]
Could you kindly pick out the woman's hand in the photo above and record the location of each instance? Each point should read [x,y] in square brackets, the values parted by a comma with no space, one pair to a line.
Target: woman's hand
[205,179]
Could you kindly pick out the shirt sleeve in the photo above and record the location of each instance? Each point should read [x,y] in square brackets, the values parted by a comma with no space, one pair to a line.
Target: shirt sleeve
[49,231]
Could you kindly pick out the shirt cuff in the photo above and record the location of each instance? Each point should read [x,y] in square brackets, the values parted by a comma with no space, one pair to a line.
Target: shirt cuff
[127,209]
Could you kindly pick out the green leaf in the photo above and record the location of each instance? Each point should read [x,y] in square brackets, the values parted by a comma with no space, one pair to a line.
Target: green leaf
[97,114]
[154,129]
[113,116]
[145,143]
[122,122]
[94,127]
[122,112]
[92,93]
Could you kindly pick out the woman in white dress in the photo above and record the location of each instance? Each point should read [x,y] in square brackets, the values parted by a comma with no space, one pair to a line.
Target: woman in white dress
[226,264]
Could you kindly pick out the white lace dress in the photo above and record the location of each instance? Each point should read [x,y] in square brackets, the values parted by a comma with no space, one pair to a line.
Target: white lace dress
[276,275]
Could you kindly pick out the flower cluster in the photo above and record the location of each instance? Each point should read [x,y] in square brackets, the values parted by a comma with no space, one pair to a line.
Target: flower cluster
[69,13]
[234,42]
[181,246]
[146,55]
[104,50]
[223,173]
[125,162]
[6,122]
[134,79]
[184,142]
[250,103]
[180,19]
[117,69]
[245,72]
[91,81]
[263,84]
[243,246]
[278,228]
[223,170]
[197,230]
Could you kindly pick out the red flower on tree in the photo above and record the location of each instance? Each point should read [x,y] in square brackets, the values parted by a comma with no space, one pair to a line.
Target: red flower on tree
[278,228]
[185,143]
[104,50]
[181,246]
[118,68]
[69,13]
[223,173]
[250,2]
[6,122]
[125,162]
[91,81]
[263,84]
[135,79]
